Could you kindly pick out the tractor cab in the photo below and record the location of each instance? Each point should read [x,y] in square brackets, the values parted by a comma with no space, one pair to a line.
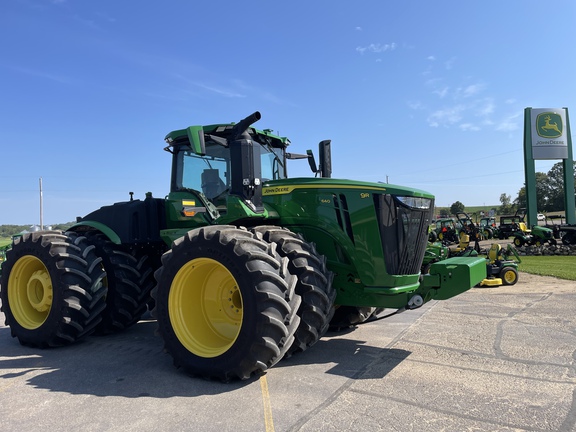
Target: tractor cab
[221,169]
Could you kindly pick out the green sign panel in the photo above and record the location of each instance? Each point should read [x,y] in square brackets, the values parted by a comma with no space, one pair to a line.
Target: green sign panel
[549,139]
[547,136]
[549,125]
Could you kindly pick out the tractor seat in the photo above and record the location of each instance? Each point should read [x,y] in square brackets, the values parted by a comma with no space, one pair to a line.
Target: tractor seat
[494,253]
[212,184]
[464,240]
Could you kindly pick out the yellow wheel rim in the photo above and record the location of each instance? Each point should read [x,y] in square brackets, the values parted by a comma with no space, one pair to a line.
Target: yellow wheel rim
[509,276]
[30,292]
[205,307]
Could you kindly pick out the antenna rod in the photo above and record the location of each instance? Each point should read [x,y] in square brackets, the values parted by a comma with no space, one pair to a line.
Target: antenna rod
[41,208]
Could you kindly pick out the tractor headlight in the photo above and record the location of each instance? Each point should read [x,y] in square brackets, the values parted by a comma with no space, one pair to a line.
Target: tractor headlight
[415,202]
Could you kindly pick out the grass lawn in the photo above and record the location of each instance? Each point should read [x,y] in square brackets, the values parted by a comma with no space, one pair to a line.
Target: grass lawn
[5,241]
[563,267]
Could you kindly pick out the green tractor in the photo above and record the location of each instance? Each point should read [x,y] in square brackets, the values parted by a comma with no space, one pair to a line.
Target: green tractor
[488,227]
[244,265]
[516,227]
[445,230]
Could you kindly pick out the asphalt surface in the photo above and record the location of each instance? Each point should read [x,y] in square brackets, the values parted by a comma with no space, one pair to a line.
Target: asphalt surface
[491,359]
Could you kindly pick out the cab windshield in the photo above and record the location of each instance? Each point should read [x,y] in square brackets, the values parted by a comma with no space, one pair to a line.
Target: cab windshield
[211,173]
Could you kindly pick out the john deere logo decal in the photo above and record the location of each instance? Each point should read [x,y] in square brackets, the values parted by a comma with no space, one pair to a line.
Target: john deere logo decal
[549,125]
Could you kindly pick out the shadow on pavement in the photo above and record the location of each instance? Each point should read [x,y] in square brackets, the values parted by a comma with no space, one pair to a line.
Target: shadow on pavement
[133,364]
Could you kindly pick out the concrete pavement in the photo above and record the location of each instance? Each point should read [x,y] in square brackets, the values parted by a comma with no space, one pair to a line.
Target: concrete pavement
[492,359]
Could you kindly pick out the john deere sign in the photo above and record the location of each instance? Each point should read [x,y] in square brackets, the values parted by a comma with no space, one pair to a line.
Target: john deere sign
[549,138]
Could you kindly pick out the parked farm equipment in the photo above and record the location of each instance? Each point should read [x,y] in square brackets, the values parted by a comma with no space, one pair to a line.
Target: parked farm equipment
[467,226]
[501,263]
[561,231]
[488,227]
[245,265]
[536,235]
[445,230]
[501,268]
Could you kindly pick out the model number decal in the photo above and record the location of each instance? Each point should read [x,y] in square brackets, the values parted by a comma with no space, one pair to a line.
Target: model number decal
[364,195]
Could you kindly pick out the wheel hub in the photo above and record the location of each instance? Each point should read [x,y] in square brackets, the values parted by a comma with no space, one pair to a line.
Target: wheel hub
[30,292]
[39,291]
[205,307]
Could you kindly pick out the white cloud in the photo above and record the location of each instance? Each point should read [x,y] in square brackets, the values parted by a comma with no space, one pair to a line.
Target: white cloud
[40,74]
[220,91]
[417,105]
[509,123]
[441,92]
[446,116]
[377,48]
[473,89]
[468,127]
[358,28]
[486,108]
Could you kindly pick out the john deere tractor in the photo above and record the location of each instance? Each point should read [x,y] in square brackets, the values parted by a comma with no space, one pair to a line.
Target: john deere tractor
[244,265]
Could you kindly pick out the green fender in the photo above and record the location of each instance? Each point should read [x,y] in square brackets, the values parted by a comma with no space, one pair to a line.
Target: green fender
[104,229]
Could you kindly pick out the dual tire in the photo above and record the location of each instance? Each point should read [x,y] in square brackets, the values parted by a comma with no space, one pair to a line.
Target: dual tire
[52,288]
[231,303]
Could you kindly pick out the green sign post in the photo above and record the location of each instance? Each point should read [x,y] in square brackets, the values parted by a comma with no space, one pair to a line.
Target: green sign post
[547,136]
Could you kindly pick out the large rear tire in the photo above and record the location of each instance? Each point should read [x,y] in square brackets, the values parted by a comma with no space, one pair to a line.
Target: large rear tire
[129,282]
[52,288]
[314,284]
[225,303]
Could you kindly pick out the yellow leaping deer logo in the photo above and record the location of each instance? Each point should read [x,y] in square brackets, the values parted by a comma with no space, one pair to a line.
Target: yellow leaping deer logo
[548,126]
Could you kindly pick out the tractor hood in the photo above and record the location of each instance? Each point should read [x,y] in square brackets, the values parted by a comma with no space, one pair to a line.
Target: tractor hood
[286,186]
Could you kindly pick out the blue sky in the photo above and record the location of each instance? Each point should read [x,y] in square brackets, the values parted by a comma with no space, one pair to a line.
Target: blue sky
[426,94]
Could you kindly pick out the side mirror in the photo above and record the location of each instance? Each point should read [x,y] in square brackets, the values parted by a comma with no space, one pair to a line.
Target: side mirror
[196,137]
[312,161]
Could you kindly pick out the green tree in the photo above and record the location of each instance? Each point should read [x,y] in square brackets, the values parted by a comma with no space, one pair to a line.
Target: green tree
[549,189]
[542,193]
[556,187]
[457,207]
[506,202]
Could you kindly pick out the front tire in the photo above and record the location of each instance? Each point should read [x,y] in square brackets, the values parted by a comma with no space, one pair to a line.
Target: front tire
[225,303]
[52,288]
[509,275]
[314,284]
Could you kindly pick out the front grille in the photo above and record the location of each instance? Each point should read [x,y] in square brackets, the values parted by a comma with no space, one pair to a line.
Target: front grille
[403,232]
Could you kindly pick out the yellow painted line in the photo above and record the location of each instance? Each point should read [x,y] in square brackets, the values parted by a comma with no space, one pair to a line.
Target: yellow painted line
[268,421]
